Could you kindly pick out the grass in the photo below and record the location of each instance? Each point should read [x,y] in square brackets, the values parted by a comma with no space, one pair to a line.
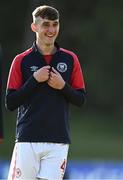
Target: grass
[9,133]
[95,136]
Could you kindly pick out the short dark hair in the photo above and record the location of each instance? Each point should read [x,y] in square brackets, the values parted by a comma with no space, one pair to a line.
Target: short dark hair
[46,12]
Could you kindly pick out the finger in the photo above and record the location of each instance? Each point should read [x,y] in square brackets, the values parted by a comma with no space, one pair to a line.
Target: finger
[50,78]
[54,70]
[49,82]
[52,74]
[47,67]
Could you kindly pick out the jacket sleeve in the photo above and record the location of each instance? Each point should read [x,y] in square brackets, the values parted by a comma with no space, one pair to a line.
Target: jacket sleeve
[75,90]
[74,96]
[16,97]
[18,92]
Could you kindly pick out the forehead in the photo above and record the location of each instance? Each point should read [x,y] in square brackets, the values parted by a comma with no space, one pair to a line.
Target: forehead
[43,20]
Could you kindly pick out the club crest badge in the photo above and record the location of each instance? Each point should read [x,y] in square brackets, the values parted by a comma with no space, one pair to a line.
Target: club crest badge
[33,68]
[18,173]
[62,67]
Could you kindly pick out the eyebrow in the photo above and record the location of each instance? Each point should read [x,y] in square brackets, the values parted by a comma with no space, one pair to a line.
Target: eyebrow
[48,22]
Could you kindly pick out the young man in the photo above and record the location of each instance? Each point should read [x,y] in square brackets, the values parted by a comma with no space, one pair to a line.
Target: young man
[42,82]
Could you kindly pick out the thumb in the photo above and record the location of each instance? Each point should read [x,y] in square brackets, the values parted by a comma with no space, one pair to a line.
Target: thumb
[55,71]
[47,67]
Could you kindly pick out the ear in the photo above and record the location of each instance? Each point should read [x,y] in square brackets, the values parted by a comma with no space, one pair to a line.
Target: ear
[33,27]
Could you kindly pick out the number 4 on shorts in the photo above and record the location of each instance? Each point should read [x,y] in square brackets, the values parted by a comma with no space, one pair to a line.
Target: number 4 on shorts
[63,165]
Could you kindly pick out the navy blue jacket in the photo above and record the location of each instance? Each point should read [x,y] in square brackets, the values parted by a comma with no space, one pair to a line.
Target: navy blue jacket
[43,112]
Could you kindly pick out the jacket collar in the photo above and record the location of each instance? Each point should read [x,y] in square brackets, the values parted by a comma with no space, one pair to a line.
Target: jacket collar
[35,48]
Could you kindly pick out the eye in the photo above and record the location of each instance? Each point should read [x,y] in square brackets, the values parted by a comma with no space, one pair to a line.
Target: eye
[55,24]
[46,24]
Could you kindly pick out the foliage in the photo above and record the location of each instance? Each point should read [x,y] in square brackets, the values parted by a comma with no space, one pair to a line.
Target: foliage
[93,30]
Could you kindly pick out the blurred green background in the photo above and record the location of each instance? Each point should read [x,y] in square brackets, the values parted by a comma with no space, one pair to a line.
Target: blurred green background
[93,30]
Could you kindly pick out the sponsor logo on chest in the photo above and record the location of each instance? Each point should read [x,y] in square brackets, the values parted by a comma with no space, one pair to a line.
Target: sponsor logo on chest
[34,68]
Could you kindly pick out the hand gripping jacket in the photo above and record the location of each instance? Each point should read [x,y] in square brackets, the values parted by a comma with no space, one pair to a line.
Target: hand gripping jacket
[43,112]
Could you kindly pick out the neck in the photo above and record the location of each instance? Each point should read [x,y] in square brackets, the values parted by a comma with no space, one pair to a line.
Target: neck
[46,49]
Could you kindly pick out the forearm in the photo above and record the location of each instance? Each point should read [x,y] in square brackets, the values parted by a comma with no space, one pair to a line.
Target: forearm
[15,98]
[75,96]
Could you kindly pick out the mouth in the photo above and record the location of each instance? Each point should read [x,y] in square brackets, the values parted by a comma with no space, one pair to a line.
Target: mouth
[50,35]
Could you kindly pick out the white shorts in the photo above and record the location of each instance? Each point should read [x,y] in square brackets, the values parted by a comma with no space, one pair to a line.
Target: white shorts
[38,160]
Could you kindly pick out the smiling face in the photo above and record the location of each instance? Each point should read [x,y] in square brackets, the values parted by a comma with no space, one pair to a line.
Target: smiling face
[46,30]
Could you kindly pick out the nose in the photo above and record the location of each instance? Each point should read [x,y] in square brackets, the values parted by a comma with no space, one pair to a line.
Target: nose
[51,29]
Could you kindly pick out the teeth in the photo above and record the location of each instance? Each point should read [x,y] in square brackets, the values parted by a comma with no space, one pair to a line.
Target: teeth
[50,35]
